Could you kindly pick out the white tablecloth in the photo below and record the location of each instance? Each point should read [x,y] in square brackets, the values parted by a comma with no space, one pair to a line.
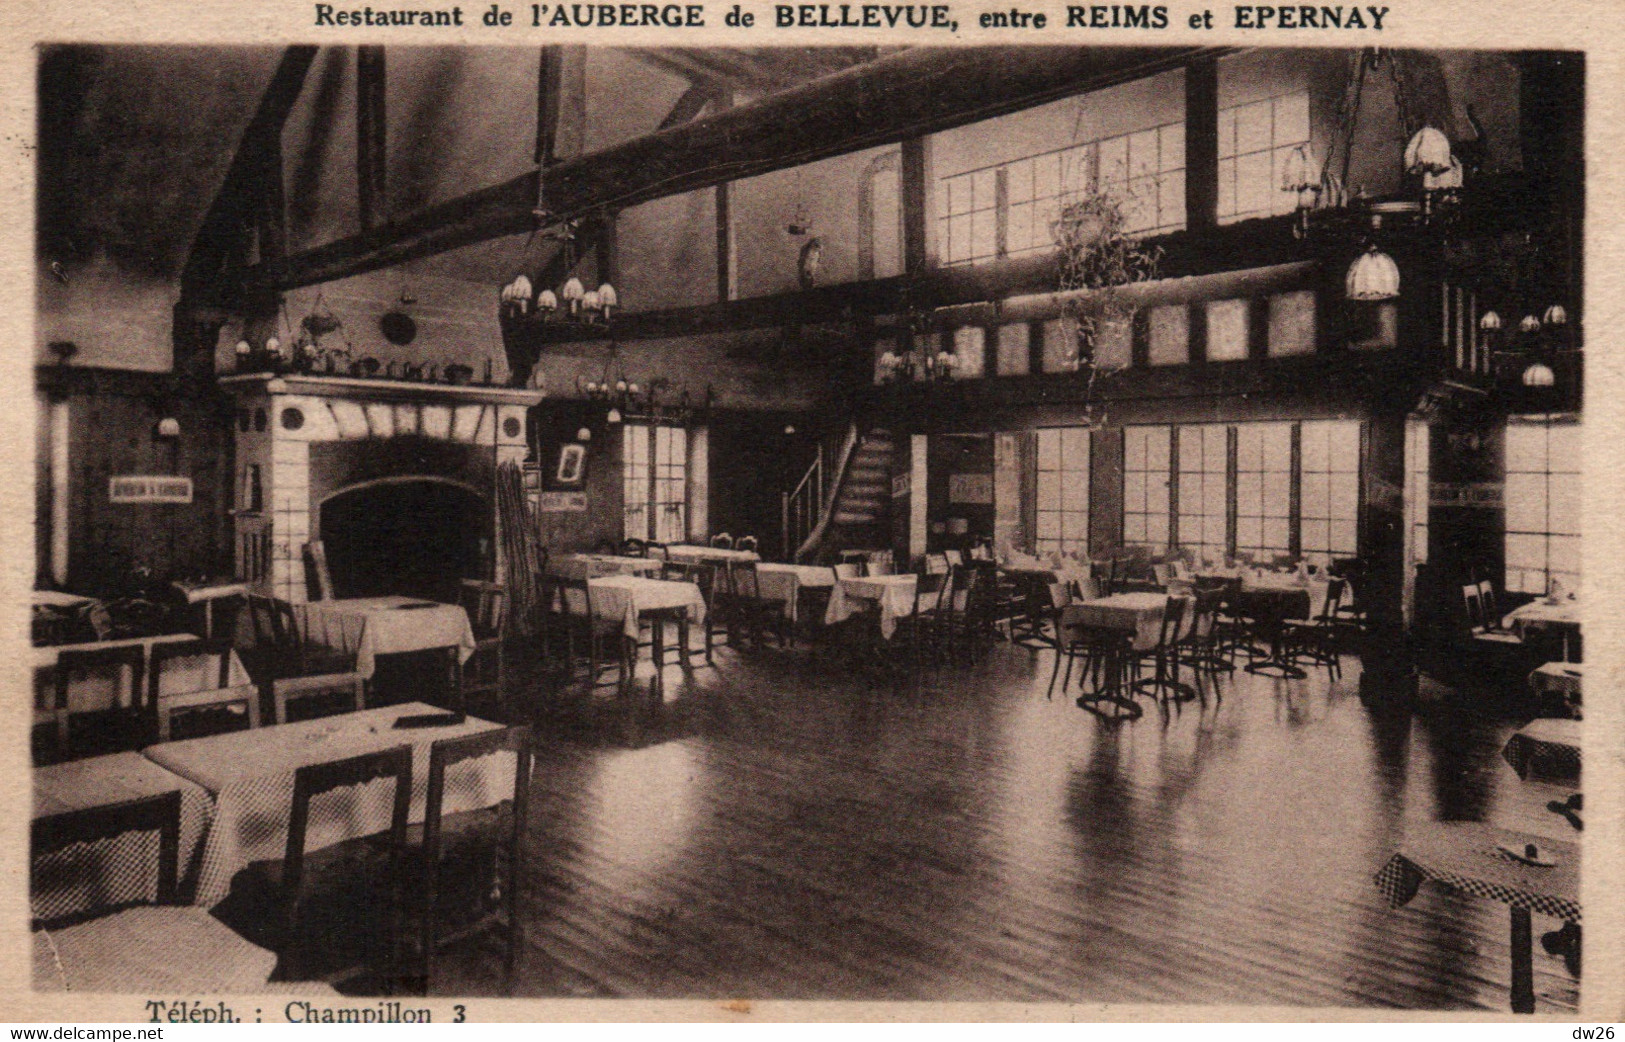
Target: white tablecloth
[893,593]
[373,626]
[250,776]
[57,599]
[117,870]
[94,693]
[1137,613]
[786,581]
[587,566]
[1543,613]
[714,554]
[624,597]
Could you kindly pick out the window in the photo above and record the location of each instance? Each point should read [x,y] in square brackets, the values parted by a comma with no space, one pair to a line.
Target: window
[1254,143]
[1063,489]
[1542,505]
[1204,470]
[1418,445]
[1263,487]
[1145,485]
[1008,210]
[1330,489]
[655,482]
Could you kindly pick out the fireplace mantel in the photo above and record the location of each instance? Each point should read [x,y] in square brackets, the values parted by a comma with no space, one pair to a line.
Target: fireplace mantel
[359,388]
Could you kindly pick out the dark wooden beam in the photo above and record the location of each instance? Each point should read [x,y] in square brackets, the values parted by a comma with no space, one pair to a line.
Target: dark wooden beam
[1202,144]
[549,88]
[370,144]
[688,106]
[727,233]
[609,249]
[915,193]
[906,95]
[238,203]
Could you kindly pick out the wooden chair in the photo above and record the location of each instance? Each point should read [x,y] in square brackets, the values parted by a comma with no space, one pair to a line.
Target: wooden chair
[849,570]
[334,913]
[487,606]
[1314,640]
[582,623]
[920,636]
[1164,656]
[222,695]
[113,664]
[634,548]
[753,612]
[318,580]
[296,670]
[54,834]
[722,541]
[748,543]
[454,850]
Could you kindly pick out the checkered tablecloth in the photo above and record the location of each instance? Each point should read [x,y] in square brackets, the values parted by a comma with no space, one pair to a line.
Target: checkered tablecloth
[1559,678]
[1546,749]
[1466,857]
[250,776]
[786,581]
[372,626]
[123,868]
[151,951]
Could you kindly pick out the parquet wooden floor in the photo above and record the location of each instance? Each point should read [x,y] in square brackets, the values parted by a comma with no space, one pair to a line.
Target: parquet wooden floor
[775,829]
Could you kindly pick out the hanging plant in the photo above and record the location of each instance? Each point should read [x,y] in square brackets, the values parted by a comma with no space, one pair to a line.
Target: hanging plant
[1098,255]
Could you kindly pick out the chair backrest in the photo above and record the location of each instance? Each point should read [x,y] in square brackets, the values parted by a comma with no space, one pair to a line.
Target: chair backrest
[161,814]
[318,580]
[104,661]
[165,653]
[1204,610]
[1173,621]
[487,607]
[954,557]
[447,753]
[659,550]
[849,570]
[722,541]
[937,564]
[742,579]
[929,590]
[1334,600]
[1474,604]
[576,595]
[879,562]
[262,620]
[632,547]
[748,542]
[1486,599]
[316,779]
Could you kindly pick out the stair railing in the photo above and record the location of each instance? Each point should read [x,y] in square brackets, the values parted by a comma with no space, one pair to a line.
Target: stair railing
[798,508]
[805,525]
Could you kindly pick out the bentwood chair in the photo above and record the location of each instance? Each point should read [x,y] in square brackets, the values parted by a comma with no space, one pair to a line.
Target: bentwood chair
[1314,640]
[462,869]
[1164,656]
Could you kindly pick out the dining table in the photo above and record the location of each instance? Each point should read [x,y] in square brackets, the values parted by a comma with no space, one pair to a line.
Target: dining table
[892,595]
[633,600]
[95,693]
[1270,599]
[1485,861]
[387,625]
[691,554]
[588,566]
[786,581]
[207,592]
[1546,749]
[1564,679]
[119,869]
[249,776]
[1137,616]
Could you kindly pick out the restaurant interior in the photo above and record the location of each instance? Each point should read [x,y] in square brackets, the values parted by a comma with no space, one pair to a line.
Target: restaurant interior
[1036,524]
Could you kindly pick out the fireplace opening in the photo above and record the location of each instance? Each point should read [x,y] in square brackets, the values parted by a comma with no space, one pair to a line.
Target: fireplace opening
[416,537]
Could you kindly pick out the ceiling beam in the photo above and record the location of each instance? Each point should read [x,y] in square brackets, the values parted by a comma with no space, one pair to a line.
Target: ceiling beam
[914,92]
[238,203]
[689,105]
[371,152]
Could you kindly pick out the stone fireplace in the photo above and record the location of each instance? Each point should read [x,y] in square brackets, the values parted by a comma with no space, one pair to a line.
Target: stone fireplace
[397,479]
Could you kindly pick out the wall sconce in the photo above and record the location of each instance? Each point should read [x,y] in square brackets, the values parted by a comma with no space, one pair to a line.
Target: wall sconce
[167,429]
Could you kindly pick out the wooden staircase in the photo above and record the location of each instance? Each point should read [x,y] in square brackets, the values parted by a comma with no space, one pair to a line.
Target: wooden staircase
[854,511]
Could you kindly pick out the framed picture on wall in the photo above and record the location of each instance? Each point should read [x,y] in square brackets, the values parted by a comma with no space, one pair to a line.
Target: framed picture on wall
[569,467]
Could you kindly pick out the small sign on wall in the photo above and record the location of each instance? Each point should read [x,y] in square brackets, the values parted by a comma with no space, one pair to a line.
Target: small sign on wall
[136,488]
[563,502]
[900,485]
[1483,495]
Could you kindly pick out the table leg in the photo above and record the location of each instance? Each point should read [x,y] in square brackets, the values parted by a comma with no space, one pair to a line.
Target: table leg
[208,619]
[1523,984]
[657,651]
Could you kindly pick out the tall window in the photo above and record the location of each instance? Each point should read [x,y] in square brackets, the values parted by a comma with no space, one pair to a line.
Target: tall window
[1146,460]
[1418,447]
[1204,465]
[1330,486]
[1542,505]
[1008,210]
[1063,489]
[1263,487]
[1254,143]
[655,482]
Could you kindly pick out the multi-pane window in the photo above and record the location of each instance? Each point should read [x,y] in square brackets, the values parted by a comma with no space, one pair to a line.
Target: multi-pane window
[1146,460]
[1254,143]
[1204,459]
[1330,488]
[1010,210]
[1263,487]
[655,482]
[1418,445]
[1542,505]
[1063,489]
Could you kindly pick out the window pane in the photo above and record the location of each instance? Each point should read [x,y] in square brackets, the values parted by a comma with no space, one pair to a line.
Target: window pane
[1563,505]
[1049,490]
[1525,500]
[1049,449]
[1049,524]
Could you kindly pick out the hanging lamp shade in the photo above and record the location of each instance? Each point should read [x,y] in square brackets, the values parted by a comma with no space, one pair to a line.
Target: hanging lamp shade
[1372,276]
[1489,321]
[1529,324]
[1556,315]
[1428,152]
[614,416]
[608,298]
[572,290]
[1447,180]
[1300,172]
[517,293]
[590,300]
[1539,374]
[547,300]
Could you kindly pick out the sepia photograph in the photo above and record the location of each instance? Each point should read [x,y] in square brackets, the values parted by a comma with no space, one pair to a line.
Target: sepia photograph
[1048,524]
